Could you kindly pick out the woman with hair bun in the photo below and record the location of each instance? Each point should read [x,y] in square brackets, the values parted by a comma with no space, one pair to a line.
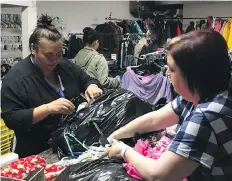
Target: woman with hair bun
[93,63]
[38,89]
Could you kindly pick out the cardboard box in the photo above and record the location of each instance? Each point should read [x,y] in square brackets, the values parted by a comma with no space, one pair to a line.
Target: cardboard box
[36,175]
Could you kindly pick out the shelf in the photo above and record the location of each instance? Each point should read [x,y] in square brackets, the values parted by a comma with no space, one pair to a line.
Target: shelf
[12,53]
[11,32]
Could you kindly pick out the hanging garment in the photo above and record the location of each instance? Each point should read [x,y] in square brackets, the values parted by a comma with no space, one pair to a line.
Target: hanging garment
[108,38]
[223,26]
[149,47]
[141,25]
[226,31]
[139,46]
[229,42]
[138,30]
[178,30]
[217,25]
[124,25]
[190,27]
[151,91]
[129,61]
[74,46]
[122,55]
[210,22]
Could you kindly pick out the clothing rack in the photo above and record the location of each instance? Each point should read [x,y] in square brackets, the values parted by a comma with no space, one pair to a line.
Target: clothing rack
[118,19]
[178,18]
[76,34]
[158,54]
[115,19]
[126,34]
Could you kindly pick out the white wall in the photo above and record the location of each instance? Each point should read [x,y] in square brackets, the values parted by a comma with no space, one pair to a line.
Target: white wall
[77,15]
[204,9]
[28,3]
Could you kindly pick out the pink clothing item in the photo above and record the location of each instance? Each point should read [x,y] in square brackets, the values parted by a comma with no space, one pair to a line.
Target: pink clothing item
[131,171]
[217,25]
[144,148]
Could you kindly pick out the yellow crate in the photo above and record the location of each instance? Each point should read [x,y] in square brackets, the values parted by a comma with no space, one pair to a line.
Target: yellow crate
[6,138]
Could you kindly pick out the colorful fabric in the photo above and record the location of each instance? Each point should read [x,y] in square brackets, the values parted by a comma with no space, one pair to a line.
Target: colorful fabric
[21,168]
[144,148]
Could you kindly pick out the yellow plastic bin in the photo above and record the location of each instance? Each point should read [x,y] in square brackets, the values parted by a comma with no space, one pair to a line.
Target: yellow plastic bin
[6,138]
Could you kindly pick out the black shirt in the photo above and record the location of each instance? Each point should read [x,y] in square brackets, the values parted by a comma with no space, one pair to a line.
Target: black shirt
[25,88]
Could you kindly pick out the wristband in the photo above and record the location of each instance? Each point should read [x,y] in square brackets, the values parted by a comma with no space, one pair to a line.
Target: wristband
[123,152]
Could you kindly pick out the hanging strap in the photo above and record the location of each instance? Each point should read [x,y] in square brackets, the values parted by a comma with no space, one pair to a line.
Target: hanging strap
[60,91]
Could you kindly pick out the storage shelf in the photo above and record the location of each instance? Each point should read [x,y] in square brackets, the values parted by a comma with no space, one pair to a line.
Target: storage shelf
[11,53]
[11,32]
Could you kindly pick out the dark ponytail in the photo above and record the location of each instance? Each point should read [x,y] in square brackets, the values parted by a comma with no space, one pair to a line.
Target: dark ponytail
[44,30]
[90,35]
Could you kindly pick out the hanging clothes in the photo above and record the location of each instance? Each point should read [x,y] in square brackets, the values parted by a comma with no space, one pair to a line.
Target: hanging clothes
[152,91]
[223,26]
[74,46]
[190,27]
[109,35]
[149,47]
[139,46]
[229,42]
[217,25]
[226,31]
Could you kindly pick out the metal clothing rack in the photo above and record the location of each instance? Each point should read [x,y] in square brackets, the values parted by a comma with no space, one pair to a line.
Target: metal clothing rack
[158,54]
[180,18]
[114,19]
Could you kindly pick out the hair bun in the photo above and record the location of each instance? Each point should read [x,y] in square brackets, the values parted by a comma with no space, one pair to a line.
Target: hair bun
[86,30]
[44,21]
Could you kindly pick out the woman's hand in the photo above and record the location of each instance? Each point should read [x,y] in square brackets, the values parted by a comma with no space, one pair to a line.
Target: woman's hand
[92,91]
[61,106]
[115,149]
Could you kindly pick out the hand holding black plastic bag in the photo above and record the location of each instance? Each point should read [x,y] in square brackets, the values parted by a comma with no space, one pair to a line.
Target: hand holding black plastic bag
[97,170]
[110,111]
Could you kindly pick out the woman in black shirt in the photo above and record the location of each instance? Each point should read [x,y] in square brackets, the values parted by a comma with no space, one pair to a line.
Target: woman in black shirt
[37,90]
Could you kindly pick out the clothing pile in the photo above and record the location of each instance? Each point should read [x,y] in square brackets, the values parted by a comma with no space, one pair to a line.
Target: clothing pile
[144,148]
[96,170]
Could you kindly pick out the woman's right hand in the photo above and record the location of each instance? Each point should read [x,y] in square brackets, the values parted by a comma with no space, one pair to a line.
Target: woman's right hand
[61,106]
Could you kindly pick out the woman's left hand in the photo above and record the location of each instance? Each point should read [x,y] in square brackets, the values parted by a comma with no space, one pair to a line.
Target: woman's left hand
[115,150]
[92,91]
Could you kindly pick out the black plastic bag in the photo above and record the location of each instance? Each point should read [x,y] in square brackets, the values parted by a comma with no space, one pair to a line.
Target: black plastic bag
[97,170]
[110,111]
